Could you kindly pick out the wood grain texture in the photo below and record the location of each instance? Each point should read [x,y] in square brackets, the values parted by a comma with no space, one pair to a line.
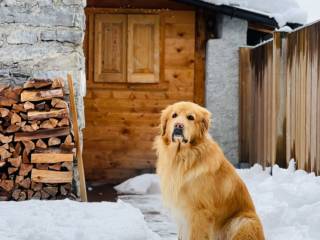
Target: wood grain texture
[51,157]
[280,88]
[43,133]
[110,44]
[47,176]
[122,118]
[143,48]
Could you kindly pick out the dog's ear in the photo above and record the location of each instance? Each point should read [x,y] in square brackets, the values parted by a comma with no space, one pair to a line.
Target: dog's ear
[205,121]
[164,120]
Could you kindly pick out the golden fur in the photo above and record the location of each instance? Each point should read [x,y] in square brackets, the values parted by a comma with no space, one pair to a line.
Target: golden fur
[199,185]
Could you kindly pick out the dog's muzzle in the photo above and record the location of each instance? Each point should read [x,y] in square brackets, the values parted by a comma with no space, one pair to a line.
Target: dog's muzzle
[178,132]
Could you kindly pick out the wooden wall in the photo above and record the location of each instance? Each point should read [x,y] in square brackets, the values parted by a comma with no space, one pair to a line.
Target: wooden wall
[122,119]
[280,100]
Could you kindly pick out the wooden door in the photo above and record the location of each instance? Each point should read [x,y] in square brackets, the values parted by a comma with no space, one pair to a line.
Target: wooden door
[123,107]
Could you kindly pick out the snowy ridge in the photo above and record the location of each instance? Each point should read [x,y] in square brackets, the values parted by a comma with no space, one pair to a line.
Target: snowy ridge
[288,202]
[284,11]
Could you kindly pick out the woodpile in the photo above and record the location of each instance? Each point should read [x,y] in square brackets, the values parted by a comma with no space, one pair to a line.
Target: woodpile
[36,142]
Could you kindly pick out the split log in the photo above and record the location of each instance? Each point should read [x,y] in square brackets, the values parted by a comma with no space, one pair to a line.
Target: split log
[42,166]
[64,122]
[4,153]
[56,167]
[18,108]
[59,103]
[15,162]
[27,128]
[12,170]
[7,102]
[25,156]
[52,191]
[51,157]
[53,141]
[35,126]
[15,118]
[37,83]
[25,169]
[53,113]
[25,183]
[7,139]
[17,150]
[37,196]
[47,176]
[4,112]
[49,124]
[23,196]
[13,128]
[45,133]
[41,144]
[57,83]
[30,193]
[40,95]
[28,145]
[28,106]
[2,163]
[19,179]
[23,116]
[36,186]
[16,194]
[7,185]
[44,195]
[53,150]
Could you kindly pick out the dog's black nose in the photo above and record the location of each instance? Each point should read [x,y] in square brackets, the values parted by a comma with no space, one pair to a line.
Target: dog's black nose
[179,125]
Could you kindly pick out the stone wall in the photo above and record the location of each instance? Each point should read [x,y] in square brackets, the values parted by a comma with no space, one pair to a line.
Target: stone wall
[43,38]
[222,83]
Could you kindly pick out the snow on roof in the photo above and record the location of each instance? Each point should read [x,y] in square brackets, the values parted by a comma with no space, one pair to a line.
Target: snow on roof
[283,11]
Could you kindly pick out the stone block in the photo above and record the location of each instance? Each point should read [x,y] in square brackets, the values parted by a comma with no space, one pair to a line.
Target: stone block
[22,37]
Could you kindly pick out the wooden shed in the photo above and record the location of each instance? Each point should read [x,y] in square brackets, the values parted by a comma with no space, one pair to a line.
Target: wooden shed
[140,56]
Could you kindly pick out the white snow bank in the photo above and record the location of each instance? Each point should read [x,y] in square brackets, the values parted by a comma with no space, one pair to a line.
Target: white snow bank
[69,220]
[288,202]
[284,11]
[143,184]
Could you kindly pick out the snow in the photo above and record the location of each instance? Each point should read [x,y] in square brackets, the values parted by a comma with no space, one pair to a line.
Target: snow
[69,220]
[288,202]
[312,7]
[284,11]
[143,184]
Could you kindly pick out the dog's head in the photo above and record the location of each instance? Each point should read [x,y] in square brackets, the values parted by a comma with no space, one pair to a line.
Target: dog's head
[184,123]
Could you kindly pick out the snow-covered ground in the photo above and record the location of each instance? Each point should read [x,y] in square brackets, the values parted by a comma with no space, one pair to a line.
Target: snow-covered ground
[287,202]
[69,220]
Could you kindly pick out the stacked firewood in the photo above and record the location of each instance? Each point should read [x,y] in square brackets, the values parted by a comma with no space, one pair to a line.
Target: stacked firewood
[36,142]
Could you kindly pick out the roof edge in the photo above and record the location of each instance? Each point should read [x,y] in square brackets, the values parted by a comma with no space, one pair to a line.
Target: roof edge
[234,11]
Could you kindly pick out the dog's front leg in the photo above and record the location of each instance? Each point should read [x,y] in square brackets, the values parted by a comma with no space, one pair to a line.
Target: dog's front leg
[199,228]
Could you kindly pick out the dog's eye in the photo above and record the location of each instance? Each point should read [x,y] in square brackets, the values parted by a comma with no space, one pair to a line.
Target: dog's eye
[190,117]
[174,115]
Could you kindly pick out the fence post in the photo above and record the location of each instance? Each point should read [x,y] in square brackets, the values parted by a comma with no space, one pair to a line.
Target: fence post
[279,95]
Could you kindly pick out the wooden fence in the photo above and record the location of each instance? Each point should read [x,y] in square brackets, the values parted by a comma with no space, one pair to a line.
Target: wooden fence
[280,100]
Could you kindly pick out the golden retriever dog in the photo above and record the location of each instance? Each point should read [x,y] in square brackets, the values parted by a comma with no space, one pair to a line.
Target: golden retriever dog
[199,185]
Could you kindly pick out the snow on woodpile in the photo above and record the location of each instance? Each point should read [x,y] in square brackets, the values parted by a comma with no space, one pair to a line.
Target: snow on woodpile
[69,220]
[284,11]
[288,202]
